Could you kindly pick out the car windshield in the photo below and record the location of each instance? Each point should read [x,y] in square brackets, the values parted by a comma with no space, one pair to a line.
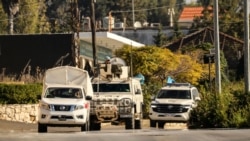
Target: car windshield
[111,87]
[174,94]
[64,93]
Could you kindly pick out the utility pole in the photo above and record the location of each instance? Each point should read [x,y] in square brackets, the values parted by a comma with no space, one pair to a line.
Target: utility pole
[217,47]
[93,30]
[246,43]
[110,21]
[133,12]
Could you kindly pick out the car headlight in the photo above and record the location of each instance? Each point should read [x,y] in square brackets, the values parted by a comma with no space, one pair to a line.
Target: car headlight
[186,106]
[79,107]
[153,106]
[125,102]
[45,106]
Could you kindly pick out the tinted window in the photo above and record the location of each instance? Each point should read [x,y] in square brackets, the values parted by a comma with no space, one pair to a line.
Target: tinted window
[111,88]
[64,93]
[175,94]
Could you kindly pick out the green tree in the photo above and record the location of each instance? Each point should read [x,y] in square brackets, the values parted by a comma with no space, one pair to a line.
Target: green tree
[231,20]
[160,39]
[44,25]
[163,15]
[59,16]
[152,13]
[11,7]
[158,63]
[3,21]
[27,18]
[177,33]
[189,70]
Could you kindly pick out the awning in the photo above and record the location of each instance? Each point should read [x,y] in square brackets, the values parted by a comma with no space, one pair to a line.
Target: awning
[109,40]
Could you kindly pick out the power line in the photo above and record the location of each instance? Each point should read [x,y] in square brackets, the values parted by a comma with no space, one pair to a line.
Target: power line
[147,9]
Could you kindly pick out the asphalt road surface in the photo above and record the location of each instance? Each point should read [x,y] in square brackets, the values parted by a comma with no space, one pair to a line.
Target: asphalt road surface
[16,131]
[133,135]
[16,127]
[9,126]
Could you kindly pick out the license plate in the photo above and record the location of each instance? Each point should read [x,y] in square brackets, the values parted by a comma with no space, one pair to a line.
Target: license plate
[125,116]
[169,115]
[62,119]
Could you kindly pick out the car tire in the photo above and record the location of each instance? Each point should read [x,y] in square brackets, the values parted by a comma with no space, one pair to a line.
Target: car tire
[152,123]
[42,128]
[138,124]
[128,123]
[161,125]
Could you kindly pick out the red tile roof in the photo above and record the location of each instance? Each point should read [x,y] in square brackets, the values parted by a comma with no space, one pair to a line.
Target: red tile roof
[188,13]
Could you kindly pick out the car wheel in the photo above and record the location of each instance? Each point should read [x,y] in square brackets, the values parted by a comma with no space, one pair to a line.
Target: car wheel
[42,128]
[152,123]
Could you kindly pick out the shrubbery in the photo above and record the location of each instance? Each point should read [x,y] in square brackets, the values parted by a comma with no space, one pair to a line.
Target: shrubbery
[19,93]
[229,109]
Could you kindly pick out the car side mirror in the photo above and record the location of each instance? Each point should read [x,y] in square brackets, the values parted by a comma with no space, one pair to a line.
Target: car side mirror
[197,99]
[138,91]
[152,98]
[88,97]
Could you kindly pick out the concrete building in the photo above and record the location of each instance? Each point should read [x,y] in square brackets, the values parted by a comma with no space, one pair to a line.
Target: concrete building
[106,44]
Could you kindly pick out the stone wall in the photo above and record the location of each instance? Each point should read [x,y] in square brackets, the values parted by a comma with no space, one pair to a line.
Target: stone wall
[19,112]
[28,113]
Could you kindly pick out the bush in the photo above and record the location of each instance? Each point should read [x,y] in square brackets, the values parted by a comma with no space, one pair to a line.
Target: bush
[149,90]
[228,109]
[19,93]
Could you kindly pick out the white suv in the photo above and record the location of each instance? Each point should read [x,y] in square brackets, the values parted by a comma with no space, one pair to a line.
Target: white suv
[173,103]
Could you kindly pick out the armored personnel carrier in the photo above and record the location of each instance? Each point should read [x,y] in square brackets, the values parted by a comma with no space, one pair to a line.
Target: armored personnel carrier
[117,97]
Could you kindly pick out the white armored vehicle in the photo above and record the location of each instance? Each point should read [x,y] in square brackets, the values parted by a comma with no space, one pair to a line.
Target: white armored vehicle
[173,103]
[117,97]
[65,99]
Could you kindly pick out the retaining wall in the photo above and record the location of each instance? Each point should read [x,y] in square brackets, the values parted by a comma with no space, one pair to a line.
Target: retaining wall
[19,112]
[28,113]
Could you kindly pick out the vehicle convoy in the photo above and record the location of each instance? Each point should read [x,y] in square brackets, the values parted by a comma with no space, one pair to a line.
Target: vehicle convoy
[65,99]
[173,103]
[117,97]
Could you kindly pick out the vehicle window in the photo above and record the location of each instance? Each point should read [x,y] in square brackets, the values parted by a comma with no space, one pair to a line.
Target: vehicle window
[137,89]
[175,94]
[111,87]
[64,93]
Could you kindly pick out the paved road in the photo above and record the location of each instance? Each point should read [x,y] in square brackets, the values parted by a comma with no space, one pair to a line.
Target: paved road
[16,131]
[9,126]
[133,135]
